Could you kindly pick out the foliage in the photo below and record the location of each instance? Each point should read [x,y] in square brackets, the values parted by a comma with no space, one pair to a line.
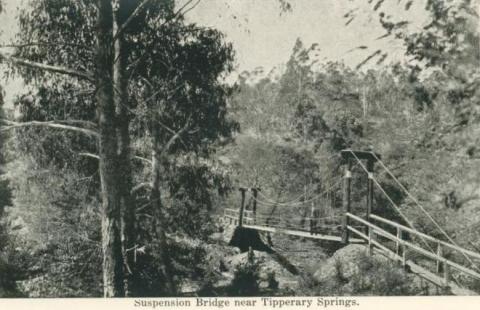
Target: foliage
[167,54]
[192,195]
[380,279]
[371,276]
[8,286]
[55,223]
[272,281]
[245,280]
[180,90]
[335,107]
[8,274]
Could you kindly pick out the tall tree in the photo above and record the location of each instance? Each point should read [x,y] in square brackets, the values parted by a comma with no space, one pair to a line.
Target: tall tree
[51,35]
[182,101]
[107,149]
[79,16]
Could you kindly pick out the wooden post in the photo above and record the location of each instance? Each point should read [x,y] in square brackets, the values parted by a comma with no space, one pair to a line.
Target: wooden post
[370,239]
[398,246]
[332,201]
[404,256]
[251,255]
[346,200]
[439,262]
[242,206]
[369,189]
[446,275]
[254,211]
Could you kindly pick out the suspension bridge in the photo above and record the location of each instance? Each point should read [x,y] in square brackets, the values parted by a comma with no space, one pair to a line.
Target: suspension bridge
[323,216]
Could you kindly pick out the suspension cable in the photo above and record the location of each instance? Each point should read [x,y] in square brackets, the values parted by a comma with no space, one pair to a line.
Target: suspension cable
[272,203]
[422,208]
[266,198]
[397,208]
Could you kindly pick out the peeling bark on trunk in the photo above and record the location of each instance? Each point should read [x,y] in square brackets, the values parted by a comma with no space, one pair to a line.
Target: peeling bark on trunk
[124,156]
[155,198]
[111,224]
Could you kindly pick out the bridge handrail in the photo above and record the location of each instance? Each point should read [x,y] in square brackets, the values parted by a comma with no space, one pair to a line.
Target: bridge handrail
[420,234]
[299,218]
[404,243]
[249,214]
[231,210]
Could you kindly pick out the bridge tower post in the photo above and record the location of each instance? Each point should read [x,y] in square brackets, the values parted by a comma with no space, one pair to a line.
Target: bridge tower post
[349,155]
[370,167]
[242,206]
[255,191]
[347,182]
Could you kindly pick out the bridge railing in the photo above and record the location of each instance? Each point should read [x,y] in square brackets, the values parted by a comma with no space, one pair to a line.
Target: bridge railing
[329,225]
[403,248]
[300,223]
[233,216]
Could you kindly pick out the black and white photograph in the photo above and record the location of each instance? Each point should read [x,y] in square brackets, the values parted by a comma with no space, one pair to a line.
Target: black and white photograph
[300,153]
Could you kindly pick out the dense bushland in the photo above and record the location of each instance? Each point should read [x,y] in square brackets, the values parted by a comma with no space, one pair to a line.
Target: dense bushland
[181,140]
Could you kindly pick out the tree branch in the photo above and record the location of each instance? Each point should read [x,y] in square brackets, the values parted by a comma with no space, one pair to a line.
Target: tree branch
[89,155]
[191,8]
[88,124]
[12,125]
[29,44]
[45,67]
[175,137]
[137,187]
[146,160]
[140,186]
[175,15]
[129,19]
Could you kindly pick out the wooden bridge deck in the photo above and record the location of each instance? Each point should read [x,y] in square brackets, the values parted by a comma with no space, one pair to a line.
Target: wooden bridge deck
[300,233]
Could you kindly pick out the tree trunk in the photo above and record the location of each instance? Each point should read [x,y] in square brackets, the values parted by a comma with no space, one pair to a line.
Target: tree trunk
[111,224]
[155,198]
[124,155]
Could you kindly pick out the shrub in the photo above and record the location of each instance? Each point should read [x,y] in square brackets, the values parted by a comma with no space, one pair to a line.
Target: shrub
[371,276]
[378,277]
[246,280]
[8,287]
[207,287]
[272,281]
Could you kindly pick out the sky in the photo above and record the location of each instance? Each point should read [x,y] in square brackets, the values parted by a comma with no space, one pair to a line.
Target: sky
[263,35]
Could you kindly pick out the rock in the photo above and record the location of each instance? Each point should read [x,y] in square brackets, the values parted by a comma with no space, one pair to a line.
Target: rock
[343,263]
[268,265]
[218,254]
[227,233]
[352,271]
